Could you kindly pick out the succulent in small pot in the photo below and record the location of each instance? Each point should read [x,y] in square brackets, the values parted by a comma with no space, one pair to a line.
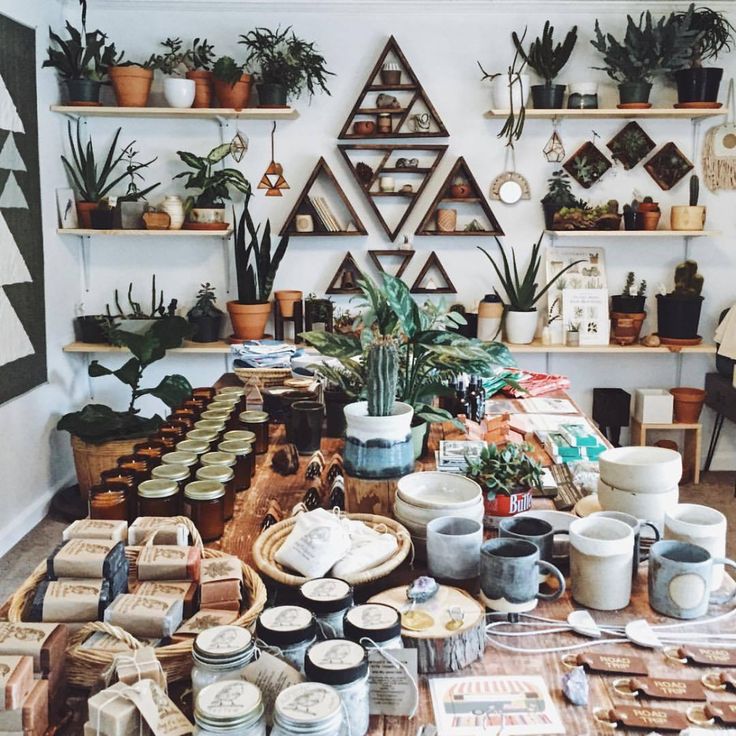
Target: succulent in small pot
[199,62]
[649,214]
[205,317]
[131,83]
[627,311]
[691,216]
[678,312]
[232,83]
[178,91]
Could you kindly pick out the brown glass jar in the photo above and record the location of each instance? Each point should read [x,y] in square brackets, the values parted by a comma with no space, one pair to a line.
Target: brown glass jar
[204,504]
[244,459]
[196,405]
[150,448]
[186,423]
[198,447]
[225,475]
[158,497]
[188,459]
[182,413]
[120,479]
[174,432]
[222,404]
[203,435]
[238,391]
[216,415]
[141,465]
[108,503]
[180,474]
[204,392]
[257,422]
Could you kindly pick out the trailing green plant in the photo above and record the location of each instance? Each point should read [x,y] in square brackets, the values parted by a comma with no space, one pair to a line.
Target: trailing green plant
[714,33]
[156,311]
[205,305]
[505,470]
[546,59]
[629,286]
[84,55]
[214,184]
[228,70]
[559,193]
[99,423]
[688,282]
[174,61]
[255,268]
[694,190]
[382,375]
[523,292]
[648,49]
[132,170]
[283,58]
[201,55]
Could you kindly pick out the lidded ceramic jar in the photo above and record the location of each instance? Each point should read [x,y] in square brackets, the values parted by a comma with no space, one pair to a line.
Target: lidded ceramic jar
[292,629]
[329,599]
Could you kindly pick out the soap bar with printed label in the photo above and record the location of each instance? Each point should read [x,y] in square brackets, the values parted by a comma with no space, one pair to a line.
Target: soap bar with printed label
[163,529]
[221,580]
[32,717]
[86,558]
[112,529]
[184,590]
[112,713]
[144,615]
[16,680]
[168,562]
[46,643]
[69,601]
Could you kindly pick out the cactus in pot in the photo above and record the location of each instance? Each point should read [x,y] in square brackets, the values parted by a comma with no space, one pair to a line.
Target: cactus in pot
[690,216]
[382,374]
[678,312]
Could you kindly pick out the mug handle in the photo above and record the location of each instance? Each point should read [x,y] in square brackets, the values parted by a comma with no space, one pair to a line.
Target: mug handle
[547,567]
[720,600]
[644,556]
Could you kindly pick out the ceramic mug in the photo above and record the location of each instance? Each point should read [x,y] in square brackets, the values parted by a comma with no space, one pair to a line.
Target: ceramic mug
[601,556]
[386,183]
[701,525]
[453,547]
[304,425]
[507,575]
[636,526]
[680,577]
[537,531]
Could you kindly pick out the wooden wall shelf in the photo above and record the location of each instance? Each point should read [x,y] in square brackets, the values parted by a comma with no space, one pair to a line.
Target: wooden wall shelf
[612,112]
[193,113]
[632,234]
[90,233]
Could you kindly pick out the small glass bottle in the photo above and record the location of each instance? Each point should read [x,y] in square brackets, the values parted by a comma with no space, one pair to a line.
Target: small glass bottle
[220,653]
[323,717]
[257,422]
[290,629]
[150,448]
[244,459]
[232,708]
[329,599]
[108,503]
[204,392]
[203,435]
[198,447]
[204,504]
[177,457]
[225,475]
[374,622]
[343,664]
[158,497]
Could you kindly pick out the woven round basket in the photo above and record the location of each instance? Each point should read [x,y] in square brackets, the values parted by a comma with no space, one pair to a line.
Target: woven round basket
[262,377]
[90,460]
[270,541]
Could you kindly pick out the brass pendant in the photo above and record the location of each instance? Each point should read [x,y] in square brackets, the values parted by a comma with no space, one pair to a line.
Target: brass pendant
[416,620]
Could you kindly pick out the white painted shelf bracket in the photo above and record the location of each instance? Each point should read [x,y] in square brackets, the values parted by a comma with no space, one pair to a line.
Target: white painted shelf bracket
[90,384]
[85,243]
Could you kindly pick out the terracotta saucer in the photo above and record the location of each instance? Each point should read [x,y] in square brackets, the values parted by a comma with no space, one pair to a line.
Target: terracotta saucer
[205,226]
[634,105]
[698,105]
[681,342]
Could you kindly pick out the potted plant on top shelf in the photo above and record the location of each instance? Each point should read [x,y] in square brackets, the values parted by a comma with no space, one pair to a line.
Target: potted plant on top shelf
[648,49]
[178,91]
[286,65]
[131,83]
[199,62]
[627,311]
[547,61]
[698,85]
[678,312]
[522,293]
[205,317]
[232,83]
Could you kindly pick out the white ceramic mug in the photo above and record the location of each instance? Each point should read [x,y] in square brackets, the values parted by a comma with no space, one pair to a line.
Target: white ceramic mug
[453,548]
[386,183]
[601,556]
[700,525]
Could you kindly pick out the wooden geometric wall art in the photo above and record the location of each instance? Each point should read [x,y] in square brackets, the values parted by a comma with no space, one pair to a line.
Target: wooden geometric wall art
[587,165]
[405,255]
[460,192]
[668,166]
[405,164]
[630,145]
[425,282]
[412,115]
[324,220]
[345,280]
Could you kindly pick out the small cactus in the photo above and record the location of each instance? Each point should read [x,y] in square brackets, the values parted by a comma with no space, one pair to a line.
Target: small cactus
[694,190]
[688,282]
[382,369]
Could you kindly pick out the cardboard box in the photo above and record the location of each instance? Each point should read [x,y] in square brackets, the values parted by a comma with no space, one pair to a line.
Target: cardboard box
[653,406]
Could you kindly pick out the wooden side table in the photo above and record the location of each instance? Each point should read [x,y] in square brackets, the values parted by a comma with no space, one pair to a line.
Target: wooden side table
[691,449]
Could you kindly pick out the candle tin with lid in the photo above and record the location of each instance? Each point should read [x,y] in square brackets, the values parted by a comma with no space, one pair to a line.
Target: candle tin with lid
[374,622]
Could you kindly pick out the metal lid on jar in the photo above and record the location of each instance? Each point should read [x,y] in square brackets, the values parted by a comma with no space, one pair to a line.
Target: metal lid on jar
[218,458]
[215,415]
[326,595]
[227,705]
[204,490]
[157,488]
[171,472]
[223,645]
[205,435]
[325,708]
[375,621]
[231,390]
[244,435]
[336,662]
[222,405]
[286,625]
[235,447]
[179,458]
[220,473]
[225,399]
[253,417]
[210,425]
[198,447]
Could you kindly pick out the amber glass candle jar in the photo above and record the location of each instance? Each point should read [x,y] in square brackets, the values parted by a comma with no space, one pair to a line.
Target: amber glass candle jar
[225,475]
[196,405]
[150,448]
[198,447]
[108,503]
[141,465]
[238,391]
[211,425]
[180,474]
[122,479]
[204,504]
[257,422]
[172,432]
[186,423]
[203,392]
[244,458]
[183,413]
[216,415]
[188,459]
[203,435]
[158,497]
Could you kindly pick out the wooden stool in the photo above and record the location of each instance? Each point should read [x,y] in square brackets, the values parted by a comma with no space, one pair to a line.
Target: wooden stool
[691,449]
[297,319]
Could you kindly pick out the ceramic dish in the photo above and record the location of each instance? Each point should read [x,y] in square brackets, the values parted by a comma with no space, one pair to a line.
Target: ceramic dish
[436,490]
[641,469]
[417,515]
[649,506]
[587,506]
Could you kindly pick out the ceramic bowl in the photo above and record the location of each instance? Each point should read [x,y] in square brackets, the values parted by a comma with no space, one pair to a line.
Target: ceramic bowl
[420,517]
[641,469]
[437,490]
[649,506]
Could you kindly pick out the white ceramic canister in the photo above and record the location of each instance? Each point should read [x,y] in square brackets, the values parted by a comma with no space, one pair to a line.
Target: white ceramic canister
[641,469]
[649,506]
[179,92]
[174,208]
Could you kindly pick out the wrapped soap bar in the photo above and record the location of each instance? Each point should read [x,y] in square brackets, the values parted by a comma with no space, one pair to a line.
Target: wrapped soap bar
[221,580]
[159,711]
[162,528]
[32,717]
[16,680]
[116,531]
[46,643]
[108,643]
[205,619]
[168,562]
[113,713]
[143,615]
[69,601]
[184,590]
[139,664]
[224,605]
[86,558]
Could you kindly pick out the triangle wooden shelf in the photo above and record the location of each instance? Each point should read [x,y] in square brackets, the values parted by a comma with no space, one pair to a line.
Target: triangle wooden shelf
[304,206]
[414,97]
[347,266]
[460,170]
[405,255]
[433,262]
[387,164]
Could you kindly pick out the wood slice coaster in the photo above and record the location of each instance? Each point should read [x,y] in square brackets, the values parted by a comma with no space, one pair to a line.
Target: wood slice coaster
[439,649]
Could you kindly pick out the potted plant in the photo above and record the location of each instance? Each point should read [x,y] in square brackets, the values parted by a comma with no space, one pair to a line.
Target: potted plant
[137,321]
[82,62]
[522,293]
[692,216]
[319,312]
[547,61]
[648,49]
[286,65]
[178,90]
[286,299]
[508,475]
[256,270]
[206,211]
[587,217]
[93,328]
[678,312]
[572,335]
[131,83]
[558,195]
[199,69]
[649,214]
[131,205]
[232,84]
[205,317]
[627,311]
[99,434]
[697,84]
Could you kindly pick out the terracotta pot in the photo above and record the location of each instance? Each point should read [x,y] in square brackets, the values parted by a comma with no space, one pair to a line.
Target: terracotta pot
[648,206]
[157,220]
[650,220]
[286,299]
[84,214]
[459,191]
[90,459]
[249,320]
[131,84]
[446,220]
[684,217]
[203,87]
[235,96]
[626,327]
[364,127]
[510,505]
[688,404]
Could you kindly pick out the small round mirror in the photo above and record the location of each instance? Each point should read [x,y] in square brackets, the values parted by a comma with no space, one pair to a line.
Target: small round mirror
[510,192]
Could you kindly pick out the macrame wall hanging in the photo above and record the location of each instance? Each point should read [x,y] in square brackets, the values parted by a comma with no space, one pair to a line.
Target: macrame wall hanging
[719,150]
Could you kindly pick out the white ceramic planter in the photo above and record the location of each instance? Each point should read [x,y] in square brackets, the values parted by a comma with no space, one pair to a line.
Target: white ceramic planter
[179,92]
[650,506]
[500,92]
[174,208]
[641,469]
[520,326]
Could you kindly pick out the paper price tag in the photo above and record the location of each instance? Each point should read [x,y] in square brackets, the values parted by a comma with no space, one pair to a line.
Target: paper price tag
[392,693]
[271,675]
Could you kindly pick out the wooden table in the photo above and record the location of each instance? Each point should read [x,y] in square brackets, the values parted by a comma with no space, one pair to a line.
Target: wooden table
[691,447]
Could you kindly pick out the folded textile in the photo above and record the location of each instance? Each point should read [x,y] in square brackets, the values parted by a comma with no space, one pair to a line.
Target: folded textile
[369,548]
[726,335]
[263,354]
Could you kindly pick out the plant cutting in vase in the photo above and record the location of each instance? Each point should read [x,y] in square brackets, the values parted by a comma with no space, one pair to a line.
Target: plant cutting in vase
[200,58]
[678,312]
[232,83]
[692,215]
[205,317]
[572,337]
[522,293]
[131,205]
[286,65]
[508,475]
[627,311]
[547,61]
[178,91]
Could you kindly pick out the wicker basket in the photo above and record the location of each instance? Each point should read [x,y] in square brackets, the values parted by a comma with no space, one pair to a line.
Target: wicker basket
[90,460]
[262,377]
[270,541]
